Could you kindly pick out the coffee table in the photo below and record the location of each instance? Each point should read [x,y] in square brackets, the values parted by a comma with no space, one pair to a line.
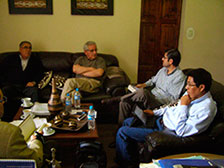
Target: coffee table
[66,135]
[67,141]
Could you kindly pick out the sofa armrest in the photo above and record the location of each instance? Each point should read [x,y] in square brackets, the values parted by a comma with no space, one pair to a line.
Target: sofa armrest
[162,143]
[216,134]
[164,140]
[156,145]
[111,86]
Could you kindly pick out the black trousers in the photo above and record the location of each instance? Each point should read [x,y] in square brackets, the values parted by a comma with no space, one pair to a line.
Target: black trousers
[14,90]
[14,93]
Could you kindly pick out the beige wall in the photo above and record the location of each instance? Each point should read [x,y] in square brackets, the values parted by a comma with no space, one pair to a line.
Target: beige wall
[206,48]
[118,34]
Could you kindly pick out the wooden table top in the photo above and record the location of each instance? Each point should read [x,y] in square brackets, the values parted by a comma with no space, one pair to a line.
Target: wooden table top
[66,135]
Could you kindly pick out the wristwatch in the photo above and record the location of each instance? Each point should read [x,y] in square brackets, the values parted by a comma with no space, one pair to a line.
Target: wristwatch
[40,137]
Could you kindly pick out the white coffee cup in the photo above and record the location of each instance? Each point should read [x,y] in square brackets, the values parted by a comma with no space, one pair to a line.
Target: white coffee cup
[26,102]
[26,112]
[47,130]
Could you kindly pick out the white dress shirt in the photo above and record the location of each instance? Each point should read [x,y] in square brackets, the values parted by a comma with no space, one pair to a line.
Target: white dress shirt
[24,62]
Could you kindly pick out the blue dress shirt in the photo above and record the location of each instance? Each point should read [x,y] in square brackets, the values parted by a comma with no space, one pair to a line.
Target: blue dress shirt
[167,86]
[192,119]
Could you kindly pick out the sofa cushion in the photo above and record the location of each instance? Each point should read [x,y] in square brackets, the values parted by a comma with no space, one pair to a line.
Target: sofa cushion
[114,72]
[59,80]
[56,61]
[115,77]
[46,79]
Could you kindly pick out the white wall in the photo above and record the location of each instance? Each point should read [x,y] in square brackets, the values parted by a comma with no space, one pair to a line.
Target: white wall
[206,48]
[117,34]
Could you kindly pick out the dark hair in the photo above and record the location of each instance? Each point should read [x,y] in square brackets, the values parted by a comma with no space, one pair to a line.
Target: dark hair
[201,76]
[23,42]
[175,55]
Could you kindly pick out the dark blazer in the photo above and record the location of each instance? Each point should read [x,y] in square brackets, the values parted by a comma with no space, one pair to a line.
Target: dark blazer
[12,72]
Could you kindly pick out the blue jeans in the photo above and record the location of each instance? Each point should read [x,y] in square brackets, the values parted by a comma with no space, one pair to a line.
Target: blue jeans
[127,139]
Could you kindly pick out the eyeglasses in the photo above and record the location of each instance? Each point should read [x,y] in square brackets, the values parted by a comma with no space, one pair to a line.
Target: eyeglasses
[3,100]
[191,85]
[26,47]
[92,50]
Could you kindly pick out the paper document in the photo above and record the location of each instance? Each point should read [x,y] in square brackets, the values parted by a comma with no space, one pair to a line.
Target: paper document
[16,122]
[132,88]
[40,109]
[39,121]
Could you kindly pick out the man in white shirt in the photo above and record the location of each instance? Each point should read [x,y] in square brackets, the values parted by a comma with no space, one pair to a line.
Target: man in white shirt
[193,114]
[20,74]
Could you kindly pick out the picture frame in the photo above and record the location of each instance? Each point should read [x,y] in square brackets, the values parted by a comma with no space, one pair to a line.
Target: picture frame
[30,7]
[92,7]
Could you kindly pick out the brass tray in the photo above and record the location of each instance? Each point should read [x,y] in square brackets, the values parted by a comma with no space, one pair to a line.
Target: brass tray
[73,118]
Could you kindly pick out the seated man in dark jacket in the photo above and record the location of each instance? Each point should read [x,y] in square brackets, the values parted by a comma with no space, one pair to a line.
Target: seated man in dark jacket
[21,73]
[193,114]
[19,77]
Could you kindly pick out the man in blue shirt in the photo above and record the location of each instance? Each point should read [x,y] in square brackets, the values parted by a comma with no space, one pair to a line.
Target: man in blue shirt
[193,114]
[167,86]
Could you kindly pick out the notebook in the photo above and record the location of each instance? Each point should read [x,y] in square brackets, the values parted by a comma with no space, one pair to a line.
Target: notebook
[17,163]
[170,163]
[28,127]
[140,114]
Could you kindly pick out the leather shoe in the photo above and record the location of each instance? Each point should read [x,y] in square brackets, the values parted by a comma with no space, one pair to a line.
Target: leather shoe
[111,100]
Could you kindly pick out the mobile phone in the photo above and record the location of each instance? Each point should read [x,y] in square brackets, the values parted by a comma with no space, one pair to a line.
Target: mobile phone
[81,117]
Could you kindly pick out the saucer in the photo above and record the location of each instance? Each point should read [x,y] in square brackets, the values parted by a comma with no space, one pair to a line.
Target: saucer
[49,133]
[31,104]
[22,117]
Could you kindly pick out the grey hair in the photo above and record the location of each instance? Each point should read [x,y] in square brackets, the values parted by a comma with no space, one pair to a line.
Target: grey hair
[85,47]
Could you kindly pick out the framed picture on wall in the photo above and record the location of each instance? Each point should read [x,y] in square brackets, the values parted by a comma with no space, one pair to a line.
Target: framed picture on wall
[30,7]
[92,7]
